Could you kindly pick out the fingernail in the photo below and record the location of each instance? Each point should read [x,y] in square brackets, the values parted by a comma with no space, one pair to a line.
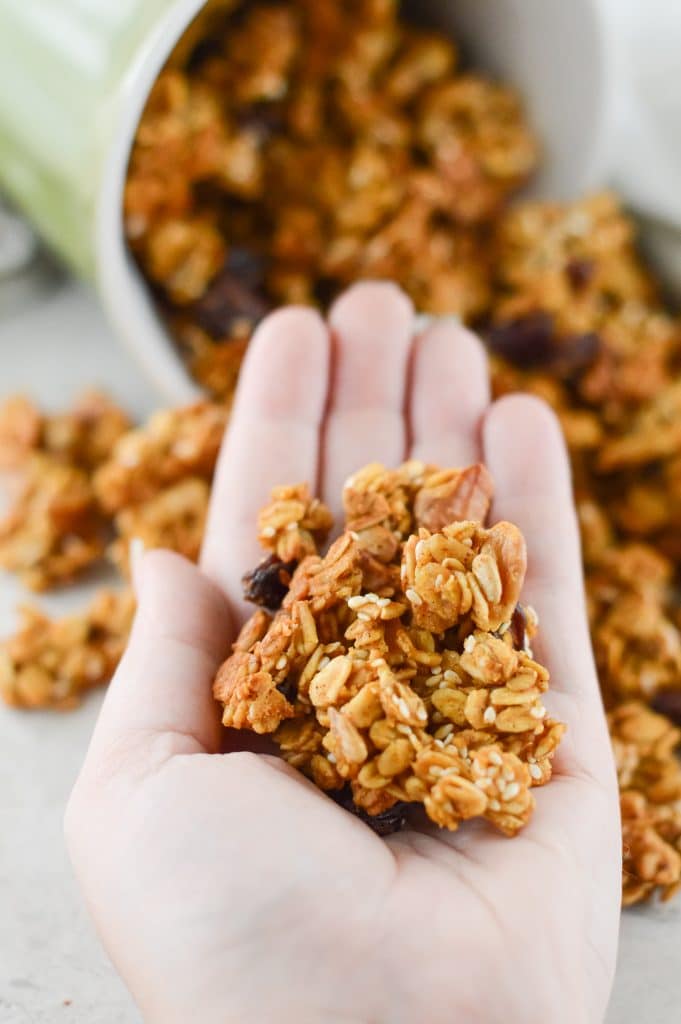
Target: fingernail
[136,555]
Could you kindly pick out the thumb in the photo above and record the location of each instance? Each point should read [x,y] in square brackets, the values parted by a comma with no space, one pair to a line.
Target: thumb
[181,633]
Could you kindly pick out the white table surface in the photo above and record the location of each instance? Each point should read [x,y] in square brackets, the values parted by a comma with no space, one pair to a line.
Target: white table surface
[53,343]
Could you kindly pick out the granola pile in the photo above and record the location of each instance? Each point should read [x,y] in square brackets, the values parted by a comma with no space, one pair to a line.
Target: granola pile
[395,668]
[300,145]
[82,486]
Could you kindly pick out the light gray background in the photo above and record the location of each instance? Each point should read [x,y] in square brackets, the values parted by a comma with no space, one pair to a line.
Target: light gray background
[53,343]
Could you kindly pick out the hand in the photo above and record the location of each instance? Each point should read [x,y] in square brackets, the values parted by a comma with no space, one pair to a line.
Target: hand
[225,887]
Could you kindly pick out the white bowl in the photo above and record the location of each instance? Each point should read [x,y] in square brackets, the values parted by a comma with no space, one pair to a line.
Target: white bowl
[556,52]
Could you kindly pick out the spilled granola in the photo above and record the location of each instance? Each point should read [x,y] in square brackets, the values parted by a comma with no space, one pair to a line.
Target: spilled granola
[393,673]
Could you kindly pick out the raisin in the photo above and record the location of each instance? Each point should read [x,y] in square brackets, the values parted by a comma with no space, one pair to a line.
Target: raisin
[519,628]
[267,585]
[384,824]
[532,342]
[668,702]
[525,341]
[263,119]
[580,273]
[289,689]
[235,295]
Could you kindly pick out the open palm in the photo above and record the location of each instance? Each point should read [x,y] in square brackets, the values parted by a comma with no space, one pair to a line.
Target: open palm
[224,886]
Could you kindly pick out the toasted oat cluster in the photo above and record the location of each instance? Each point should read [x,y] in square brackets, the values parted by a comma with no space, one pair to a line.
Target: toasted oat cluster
[395,668]
[650,781]
[51,663]
[156,485]
[53,528]
[291,148]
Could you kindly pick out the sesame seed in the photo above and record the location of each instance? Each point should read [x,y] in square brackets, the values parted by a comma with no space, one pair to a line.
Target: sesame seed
[434,770]
[372,598]
[326,660]
[490,716]
[269,531]
[444,685]
[535,771]
[494,805]
[439,580]
[464,752]
[439,744]
[451,676]
[422,715]
[282,663]
[363,617]
[354,535]
[446,731]
[420,548]
[356,602]
[403,706]
[469,644]
[404,729]
[538,712]
[292,526]
[483,783]
[414,597]
[495,757]
[504,628]
[508,775]
[511,790]
[384,602]
[331,758]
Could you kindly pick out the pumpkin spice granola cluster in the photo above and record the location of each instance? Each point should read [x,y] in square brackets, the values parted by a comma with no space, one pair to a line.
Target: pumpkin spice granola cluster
[83,486]
[395,668]
[294,147]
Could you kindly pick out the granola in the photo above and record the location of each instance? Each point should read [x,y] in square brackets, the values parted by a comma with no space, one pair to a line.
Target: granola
[297,147]
[51,663]
[84,435]
[53,529]
[422,691]
[578,319]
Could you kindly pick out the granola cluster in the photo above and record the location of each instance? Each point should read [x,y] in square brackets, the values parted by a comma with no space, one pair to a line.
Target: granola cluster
[54,528]
[50,663]
[291,148]
[83,486]
[395,668]
[156,485]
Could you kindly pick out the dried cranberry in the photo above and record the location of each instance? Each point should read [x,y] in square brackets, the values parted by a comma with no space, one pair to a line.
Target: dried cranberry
[668,702]
[268,584]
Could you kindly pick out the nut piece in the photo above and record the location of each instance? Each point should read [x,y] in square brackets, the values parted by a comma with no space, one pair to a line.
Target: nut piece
[454,495]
